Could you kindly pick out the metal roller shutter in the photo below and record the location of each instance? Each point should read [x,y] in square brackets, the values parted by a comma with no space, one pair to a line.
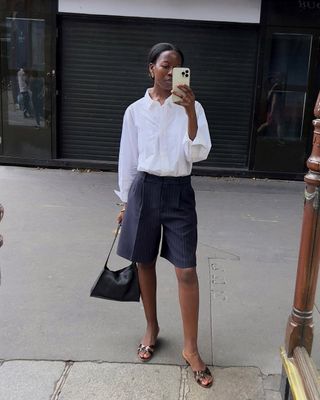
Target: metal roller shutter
[103,69]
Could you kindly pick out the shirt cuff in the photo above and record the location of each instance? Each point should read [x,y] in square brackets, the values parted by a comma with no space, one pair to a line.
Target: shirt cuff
[195,150]
[123,196]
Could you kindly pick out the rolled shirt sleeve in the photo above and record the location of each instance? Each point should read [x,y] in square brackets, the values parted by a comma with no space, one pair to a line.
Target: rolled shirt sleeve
[198,149]
[128,155]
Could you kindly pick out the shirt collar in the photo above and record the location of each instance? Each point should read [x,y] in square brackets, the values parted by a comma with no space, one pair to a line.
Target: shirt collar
[149,102]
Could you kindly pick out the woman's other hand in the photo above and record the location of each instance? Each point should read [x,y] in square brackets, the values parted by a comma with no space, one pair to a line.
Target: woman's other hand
[1,212]
[120,216]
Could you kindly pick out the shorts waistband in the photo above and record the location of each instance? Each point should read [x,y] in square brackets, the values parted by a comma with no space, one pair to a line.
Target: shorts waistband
[165,179]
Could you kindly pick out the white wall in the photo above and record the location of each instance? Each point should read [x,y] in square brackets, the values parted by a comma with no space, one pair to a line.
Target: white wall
[208,10]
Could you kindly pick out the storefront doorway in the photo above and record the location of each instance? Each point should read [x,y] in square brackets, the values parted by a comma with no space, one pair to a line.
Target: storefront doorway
[288,85]
[289,89]
[28,78]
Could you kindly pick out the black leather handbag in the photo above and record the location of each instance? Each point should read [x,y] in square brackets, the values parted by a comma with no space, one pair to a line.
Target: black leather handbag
[120,285]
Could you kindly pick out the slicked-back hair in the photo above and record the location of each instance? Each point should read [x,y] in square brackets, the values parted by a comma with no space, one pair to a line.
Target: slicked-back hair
[159,48]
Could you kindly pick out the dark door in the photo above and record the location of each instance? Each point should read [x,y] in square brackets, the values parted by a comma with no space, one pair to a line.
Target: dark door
[289,88]
[27,78]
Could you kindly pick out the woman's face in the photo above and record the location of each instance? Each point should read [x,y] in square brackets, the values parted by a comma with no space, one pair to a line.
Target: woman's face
[161,70]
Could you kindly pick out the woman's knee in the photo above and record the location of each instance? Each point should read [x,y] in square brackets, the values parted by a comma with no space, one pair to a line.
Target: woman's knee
[187,276]
[147,266]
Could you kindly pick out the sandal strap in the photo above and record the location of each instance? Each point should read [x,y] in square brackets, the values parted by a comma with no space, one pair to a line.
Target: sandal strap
[200,375]
[146,349]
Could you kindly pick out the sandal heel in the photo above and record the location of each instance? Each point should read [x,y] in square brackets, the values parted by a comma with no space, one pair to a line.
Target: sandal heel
[185,359]
[200,375]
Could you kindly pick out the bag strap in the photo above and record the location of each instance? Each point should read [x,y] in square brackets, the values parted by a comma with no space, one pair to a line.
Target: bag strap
[114,240]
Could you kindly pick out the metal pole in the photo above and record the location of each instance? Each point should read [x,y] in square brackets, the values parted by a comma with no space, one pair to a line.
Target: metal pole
[300,324]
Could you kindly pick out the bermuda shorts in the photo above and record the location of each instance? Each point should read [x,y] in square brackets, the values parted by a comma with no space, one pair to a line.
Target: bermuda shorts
[160,210]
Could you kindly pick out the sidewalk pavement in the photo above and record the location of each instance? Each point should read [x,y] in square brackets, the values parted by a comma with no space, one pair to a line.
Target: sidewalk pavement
[56,380]
[57,228]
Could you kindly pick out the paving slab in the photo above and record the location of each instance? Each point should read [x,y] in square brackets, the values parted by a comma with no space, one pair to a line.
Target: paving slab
[24,380]
[252,243]
[230,383]
[54,380]
[147,382]
[271,395]
[115,381]
[272,382]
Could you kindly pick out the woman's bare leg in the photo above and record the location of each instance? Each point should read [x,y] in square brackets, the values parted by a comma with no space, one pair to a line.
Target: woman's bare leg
[189,304]
[148,287]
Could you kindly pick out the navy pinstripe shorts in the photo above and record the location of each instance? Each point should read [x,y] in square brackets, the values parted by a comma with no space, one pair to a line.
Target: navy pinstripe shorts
[160,207]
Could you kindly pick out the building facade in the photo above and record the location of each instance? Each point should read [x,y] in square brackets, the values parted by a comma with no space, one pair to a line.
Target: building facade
[70,68]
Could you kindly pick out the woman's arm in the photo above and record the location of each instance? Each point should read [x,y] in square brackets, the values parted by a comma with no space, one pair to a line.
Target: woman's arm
[192,123]
[197,142]
[188,102]
[128,156]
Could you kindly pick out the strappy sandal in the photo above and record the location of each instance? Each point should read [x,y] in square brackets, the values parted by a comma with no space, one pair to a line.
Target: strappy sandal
[145,350]
[200,376]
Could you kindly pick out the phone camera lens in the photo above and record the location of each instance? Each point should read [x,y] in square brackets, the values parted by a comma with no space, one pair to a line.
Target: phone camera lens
[183,73]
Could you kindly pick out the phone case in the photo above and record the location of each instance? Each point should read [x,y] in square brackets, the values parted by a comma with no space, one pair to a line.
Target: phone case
[180,76]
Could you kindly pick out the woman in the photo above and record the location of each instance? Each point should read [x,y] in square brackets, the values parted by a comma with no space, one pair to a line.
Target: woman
[160,141]
[37,90]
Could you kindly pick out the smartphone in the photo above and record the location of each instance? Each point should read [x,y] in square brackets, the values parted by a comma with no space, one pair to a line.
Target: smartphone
[180,76]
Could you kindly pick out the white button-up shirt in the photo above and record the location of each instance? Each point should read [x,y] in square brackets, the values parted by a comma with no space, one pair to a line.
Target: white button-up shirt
[155,140]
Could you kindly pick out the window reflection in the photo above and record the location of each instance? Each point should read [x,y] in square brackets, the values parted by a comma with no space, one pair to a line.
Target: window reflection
[26,65]
[286,86]
[290,56]
[284,115]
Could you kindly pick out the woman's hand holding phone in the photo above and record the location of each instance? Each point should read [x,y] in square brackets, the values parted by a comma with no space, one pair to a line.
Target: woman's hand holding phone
[180,77]
[182,94]
[186,96]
